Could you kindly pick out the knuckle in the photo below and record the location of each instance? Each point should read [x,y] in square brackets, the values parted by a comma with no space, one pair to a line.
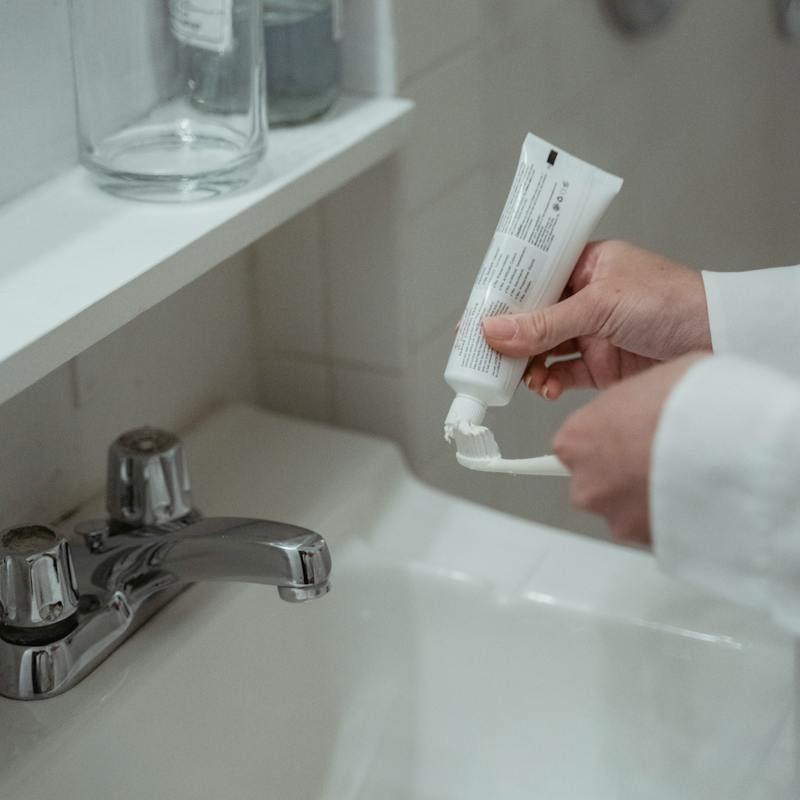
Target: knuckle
[536,330]
[583,496]
[599,253]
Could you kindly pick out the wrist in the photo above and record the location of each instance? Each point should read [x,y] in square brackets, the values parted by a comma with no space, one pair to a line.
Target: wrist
[696,331]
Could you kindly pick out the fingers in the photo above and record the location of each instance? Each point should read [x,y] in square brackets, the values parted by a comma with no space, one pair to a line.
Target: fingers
[598,366]
[588,264]
[520,335]
[595,364]
[551,382]
[605,446]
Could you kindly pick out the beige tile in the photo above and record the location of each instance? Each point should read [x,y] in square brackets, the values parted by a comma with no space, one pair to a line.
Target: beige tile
[38,136]
[171,365]
[427,397]
[294,385]
[40,474]
[291,288]
[448,136]
[359,249]
[441,249]
[507,20]
[368,400]
[426,32]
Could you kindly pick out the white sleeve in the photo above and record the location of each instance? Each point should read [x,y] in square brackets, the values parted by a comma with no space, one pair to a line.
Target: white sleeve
[756,314]
[725,484]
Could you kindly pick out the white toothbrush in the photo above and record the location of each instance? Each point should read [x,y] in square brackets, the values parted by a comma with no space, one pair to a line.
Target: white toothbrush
[476,448]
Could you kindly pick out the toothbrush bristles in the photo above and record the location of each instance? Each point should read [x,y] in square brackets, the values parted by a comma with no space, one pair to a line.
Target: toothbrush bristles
[479,442]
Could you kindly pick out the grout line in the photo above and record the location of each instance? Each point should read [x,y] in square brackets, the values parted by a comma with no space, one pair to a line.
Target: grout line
[441,60]
[322,249]
[335,362]
[257,339]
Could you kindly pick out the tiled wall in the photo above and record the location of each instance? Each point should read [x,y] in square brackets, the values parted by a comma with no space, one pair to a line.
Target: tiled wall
[346,313]
[37,125]
[700,118]
[170,367]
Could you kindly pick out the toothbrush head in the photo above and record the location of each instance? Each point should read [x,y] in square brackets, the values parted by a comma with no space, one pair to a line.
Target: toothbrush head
[475,443]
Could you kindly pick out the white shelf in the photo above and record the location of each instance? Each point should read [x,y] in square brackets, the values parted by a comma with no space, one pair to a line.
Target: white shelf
[77,264]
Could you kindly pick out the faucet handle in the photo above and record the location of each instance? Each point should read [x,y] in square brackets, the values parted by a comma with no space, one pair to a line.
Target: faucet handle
[148,480]
[38,587]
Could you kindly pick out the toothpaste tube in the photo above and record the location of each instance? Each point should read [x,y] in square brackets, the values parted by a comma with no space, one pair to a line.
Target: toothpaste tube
[554,203]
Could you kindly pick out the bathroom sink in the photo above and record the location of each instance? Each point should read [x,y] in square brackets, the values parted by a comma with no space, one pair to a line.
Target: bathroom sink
[461,654]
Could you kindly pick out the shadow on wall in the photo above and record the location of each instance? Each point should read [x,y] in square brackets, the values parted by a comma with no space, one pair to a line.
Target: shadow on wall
[640,16]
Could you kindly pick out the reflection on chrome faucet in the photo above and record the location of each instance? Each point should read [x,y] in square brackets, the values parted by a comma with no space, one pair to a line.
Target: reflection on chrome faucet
[218,549]
[64,609]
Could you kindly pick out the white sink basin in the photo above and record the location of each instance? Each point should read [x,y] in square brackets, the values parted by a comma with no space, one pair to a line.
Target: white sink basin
[460,654]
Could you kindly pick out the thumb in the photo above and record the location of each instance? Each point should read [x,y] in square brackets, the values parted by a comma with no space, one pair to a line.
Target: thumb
[540,331]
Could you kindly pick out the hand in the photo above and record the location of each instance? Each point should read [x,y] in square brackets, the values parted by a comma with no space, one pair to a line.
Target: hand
[607,445]
[625,309]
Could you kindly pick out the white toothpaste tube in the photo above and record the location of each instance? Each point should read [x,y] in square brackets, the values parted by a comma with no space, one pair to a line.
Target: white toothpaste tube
[554,203]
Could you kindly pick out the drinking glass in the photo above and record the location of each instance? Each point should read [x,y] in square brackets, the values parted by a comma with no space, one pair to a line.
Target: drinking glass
[171,98]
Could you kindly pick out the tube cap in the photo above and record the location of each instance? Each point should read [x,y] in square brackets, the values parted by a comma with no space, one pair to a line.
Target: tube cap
[465,408]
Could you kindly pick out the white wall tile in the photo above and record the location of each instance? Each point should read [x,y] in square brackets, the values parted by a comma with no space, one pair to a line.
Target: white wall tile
[555,53]
[448,136]
[505,20]
[37,135]
[441,249]
[170,366]
[360,249]
[427,397]
[520,94]
[593,52]
[42,452]
[293,384]
[368,400]
[428,32]
[291,287]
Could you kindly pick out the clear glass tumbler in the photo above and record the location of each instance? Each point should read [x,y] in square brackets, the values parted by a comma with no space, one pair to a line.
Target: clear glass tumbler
[302,39]
[171,96]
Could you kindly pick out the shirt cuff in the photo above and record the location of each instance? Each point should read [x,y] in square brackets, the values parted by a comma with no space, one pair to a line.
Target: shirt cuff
[754,314]
[725,477]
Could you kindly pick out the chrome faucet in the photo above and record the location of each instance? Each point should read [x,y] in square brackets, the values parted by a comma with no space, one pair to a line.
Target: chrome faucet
[67,602]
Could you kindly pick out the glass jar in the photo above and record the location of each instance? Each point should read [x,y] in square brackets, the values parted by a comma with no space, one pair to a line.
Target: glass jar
[171,96]
[301,39]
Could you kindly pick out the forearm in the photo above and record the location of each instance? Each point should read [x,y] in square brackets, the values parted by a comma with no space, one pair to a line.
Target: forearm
[725,475]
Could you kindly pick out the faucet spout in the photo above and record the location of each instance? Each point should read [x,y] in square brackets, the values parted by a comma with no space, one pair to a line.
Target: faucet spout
[294,559]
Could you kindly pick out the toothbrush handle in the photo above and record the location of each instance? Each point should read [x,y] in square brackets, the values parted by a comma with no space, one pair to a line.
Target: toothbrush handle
[541,465]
